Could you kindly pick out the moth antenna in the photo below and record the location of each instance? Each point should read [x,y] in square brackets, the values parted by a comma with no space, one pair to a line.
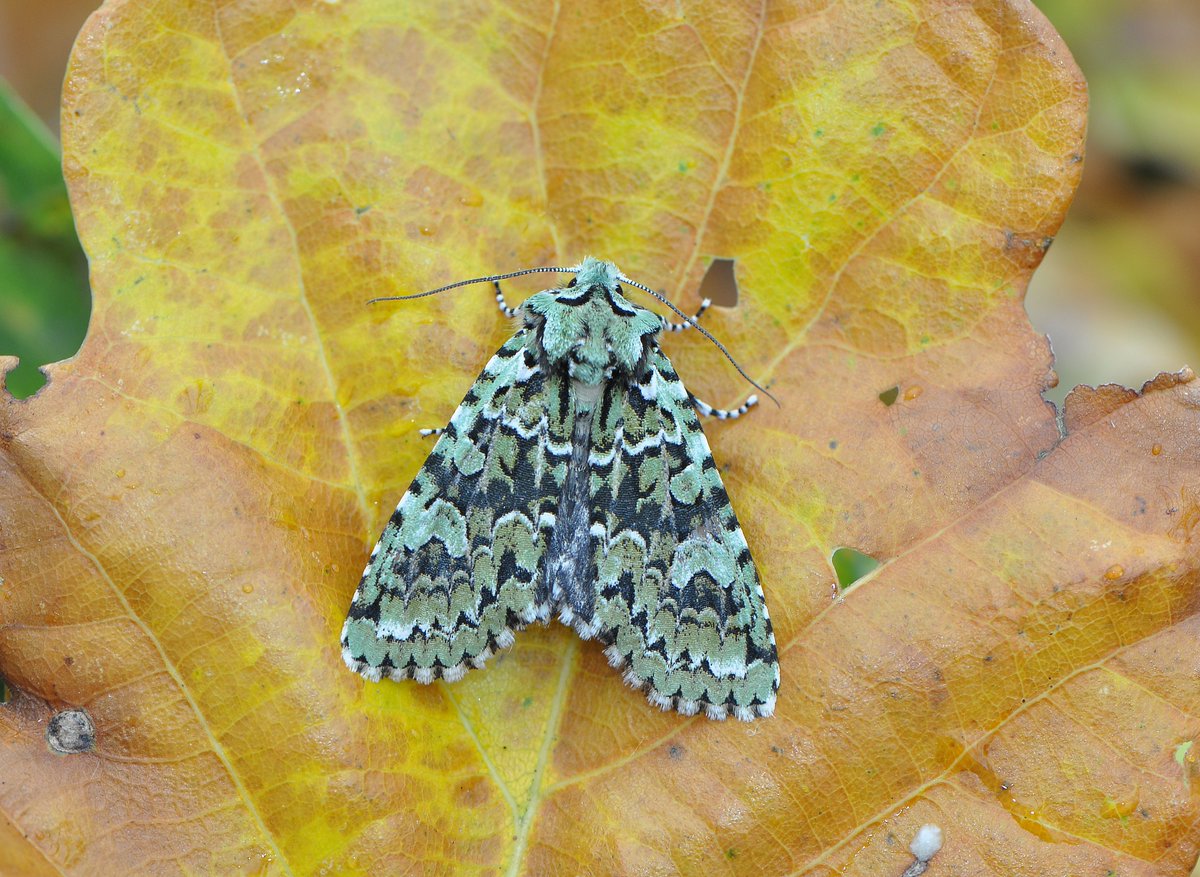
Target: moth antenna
[489,279]
[721,347]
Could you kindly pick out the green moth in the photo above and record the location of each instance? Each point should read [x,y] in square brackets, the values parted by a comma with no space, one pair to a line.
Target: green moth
[574,480]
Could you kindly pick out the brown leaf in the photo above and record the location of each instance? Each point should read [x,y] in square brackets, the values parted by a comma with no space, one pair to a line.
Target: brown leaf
[186,506]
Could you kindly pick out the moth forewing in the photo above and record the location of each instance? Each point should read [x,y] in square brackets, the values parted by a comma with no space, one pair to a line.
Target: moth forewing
[574,479]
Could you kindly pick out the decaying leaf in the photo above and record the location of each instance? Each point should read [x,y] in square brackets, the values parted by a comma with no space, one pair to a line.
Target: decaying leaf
[187,505]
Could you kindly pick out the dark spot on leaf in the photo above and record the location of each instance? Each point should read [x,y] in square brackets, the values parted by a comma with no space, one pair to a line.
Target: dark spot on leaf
[676,752]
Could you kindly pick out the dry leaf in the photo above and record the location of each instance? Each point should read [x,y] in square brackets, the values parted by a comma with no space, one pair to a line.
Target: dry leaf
[187,505]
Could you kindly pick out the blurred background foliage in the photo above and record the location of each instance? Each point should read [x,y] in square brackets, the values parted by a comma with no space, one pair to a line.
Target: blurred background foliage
[1118,293]
[44,297]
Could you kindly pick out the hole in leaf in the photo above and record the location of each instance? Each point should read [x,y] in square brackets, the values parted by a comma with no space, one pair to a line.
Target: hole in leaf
[5,693]
[1181,752]
[888,397]
[23,380]
[720,284]
[851,565]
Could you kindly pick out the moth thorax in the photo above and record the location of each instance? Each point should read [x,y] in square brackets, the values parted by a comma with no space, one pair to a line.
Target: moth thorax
[592,333]
[591,361]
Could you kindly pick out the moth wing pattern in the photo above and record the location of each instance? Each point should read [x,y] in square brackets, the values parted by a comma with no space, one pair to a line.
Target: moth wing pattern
[678,598]
[458,567]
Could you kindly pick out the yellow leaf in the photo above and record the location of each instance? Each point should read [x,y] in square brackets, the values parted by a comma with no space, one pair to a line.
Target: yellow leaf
[188,503]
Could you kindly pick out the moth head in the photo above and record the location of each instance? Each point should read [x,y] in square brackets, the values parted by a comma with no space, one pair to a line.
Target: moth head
[589,329]
[588,326]
[595,272]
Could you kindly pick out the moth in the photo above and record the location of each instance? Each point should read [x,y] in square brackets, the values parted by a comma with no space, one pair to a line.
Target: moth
[574,480]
